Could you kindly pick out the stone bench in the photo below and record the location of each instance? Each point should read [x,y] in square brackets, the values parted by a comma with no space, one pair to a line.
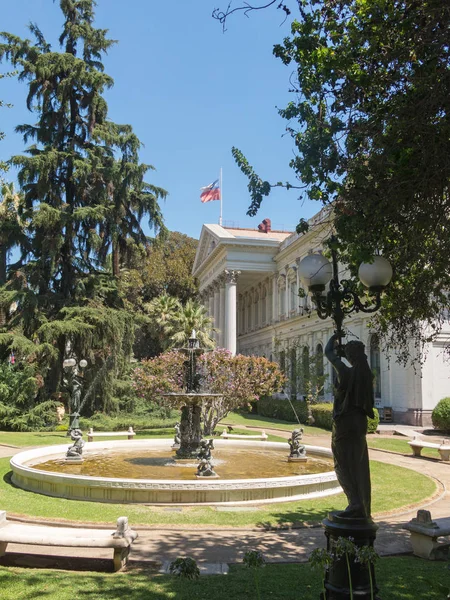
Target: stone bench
[425,535]
[69,537]
[92,434]
[443,449]
[236,436]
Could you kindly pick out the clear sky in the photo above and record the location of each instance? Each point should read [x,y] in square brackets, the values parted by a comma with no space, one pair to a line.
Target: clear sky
[191,92]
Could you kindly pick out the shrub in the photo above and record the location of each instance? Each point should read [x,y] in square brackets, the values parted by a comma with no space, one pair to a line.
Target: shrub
[441,415]
[372,424]
[185,568]
[102,422]
[282,409]
[323,415]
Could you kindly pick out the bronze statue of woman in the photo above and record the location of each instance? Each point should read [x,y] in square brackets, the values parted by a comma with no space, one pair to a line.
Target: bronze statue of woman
[353,403]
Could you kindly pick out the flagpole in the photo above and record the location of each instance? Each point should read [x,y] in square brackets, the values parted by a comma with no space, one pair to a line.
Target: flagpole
[220,188]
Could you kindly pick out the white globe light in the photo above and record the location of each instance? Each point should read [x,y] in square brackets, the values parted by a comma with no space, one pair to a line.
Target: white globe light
[377,274]
[69,362]
[83,363]
[315,270]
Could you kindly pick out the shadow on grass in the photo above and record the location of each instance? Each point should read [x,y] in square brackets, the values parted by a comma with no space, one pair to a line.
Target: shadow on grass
[402,578]
[7,478]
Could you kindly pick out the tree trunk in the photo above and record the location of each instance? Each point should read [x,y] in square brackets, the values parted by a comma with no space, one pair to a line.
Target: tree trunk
[115,259]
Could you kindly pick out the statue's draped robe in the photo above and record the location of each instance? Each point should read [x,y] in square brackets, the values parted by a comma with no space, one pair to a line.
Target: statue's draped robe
[353,403]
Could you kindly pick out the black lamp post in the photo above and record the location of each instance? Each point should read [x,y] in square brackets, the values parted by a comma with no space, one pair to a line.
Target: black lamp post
[316,272]
[351,532]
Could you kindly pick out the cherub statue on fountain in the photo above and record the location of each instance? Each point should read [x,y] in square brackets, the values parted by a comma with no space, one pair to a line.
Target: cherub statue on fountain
[298,450]
[205,468]
[176,438]
[75,451]
[205,449]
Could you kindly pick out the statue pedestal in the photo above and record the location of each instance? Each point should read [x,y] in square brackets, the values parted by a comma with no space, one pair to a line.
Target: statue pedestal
[207,476]
[74,459]
[175,446]
[297,459]
[337,580]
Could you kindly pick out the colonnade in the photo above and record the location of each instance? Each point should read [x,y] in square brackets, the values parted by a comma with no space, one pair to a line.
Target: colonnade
[221,299]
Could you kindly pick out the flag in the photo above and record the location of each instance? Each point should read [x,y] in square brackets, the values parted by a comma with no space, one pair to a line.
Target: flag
[210,192]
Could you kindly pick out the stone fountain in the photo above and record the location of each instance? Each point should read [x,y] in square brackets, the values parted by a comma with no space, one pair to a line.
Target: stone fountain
[190,432]
[250,471]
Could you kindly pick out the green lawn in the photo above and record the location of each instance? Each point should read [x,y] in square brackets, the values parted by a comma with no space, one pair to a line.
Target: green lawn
[251,420]
[393,487]
[22,439]
[399,578]
[33,438]
[396,445]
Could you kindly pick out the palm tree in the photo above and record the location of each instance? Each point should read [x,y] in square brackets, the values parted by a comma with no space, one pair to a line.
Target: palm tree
[163,311]
[191,316]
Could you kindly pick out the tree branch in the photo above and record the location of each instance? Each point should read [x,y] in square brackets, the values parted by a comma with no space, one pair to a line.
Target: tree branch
[222,16]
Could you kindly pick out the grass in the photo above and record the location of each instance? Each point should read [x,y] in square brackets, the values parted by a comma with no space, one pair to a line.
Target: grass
[33,438]
[258,421]
[399,578]
[393,487]
[23,439]
[396,445]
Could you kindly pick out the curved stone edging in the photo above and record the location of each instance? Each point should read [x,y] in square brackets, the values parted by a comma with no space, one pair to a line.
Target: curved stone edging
[153,491]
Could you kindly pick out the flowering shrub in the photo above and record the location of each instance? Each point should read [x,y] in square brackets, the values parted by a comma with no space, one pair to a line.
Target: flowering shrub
[238,379]
[160,375]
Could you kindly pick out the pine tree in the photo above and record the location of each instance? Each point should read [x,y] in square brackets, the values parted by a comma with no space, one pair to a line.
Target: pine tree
[85,193]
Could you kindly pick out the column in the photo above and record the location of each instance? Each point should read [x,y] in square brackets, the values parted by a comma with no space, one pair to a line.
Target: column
[216,310]
[286,294]
[275,298]
[210,302]
[222,311]
[230,310]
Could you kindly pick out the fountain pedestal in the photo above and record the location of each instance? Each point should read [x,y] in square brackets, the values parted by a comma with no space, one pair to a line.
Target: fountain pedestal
[190,431]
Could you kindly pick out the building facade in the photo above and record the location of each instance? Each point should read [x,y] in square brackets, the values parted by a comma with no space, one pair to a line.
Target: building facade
[250,285]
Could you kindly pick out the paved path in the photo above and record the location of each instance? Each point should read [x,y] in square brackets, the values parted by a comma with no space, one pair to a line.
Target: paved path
[214,545]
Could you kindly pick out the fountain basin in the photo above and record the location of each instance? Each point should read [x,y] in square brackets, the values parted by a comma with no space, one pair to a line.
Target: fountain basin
[169,491]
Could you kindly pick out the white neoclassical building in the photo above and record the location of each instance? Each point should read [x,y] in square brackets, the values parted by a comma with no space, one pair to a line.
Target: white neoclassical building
[250,284]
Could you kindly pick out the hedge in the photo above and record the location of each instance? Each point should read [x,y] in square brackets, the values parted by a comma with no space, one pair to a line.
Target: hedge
[323,417]
[281,409]
[441,415]
[323,414]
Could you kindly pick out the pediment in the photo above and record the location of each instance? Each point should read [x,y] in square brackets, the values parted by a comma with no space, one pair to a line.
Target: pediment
[207,243]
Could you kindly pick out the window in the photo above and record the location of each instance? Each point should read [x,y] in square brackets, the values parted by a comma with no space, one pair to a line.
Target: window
[293,296]
[256,311]
[264,306]
[375,364]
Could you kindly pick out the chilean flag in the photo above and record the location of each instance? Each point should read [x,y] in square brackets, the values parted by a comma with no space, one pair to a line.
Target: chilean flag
[210,192]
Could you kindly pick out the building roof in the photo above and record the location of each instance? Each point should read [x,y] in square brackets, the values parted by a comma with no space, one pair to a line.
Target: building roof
[256,234]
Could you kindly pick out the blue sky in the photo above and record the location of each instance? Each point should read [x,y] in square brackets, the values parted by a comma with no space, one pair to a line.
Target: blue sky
[191,92]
